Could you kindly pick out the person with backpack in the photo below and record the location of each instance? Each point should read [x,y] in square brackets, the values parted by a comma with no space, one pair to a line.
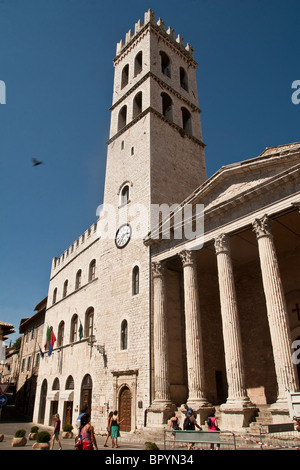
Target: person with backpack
[84,410]
[190,423]
[212,424]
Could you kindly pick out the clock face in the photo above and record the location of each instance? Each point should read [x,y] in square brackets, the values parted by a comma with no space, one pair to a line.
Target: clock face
[123,236]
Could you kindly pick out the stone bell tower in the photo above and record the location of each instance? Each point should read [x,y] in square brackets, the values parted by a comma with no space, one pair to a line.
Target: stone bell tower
[155,156]
[155,128]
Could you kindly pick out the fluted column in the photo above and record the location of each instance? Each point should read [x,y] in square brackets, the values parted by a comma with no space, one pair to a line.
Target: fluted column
[237,394]
[161,363]
[276,309]
[194,345]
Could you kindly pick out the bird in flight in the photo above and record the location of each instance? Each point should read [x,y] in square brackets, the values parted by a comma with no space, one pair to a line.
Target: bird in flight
[36,162]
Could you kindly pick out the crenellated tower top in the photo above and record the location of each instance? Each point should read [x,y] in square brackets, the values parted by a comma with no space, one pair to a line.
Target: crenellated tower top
[149,18]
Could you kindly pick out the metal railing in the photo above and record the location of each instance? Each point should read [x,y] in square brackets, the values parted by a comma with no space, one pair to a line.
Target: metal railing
[199,440]
[279,436]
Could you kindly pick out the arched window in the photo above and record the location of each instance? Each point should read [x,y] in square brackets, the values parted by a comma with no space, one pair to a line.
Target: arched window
[125,76]
[138,63]
[124,195]
[165,64]
[55,385]
[122,119]
[54,296]
[70,383]
[184,79]
[89,322]
[60,336]
[74,328]
[78,279]
[124,334]
[137,105]
[186,120]
[65,290]
[135,280]
[92,270]
[167,106]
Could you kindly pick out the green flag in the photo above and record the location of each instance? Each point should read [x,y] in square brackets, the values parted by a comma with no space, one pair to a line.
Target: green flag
[48,337]
[80,331]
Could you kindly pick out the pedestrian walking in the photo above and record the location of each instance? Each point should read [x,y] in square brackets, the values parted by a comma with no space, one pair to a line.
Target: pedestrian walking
[108,428]
[86,433]
[212,424]
[174,425]
[56,432]
[190,423]
[115,429]
[84,410]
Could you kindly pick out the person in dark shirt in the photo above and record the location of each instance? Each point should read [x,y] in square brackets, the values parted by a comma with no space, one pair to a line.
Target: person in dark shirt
[56,432]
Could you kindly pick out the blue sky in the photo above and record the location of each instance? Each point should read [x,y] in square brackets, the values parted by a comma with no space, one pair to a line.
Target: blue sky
[56,61]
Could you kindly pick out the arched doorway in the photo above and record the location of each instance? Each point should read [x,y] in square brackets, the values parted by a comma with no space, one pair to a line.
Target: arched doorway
[54,401]
[68,403]
[43,397]
[86,393]
[125,409]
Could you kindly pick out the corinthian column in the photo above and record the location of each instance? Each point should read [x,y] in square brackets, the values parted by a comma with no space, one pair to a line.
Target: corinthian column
[276,310]
[161,363]
[195,368]
[237,394]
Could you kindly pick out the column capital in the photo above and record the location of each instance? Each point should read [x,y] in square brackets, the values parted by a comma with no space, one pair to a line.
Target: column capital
[158,268]
[187,257]
[262,227]
[222,244]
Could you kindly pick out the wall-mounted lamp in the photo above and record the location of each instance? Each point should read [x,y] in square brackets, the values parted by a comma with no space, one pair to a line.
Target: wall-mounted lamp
[100,348]
[92,342]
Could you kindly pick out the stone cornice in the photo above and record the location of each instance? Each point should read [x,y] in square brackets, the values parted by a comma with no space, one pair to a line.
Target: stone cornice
[162,84]
[182,132]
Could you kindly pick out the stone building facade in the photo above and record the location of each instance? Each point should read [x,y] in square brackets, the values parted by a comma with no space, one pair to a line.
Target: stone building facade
[32,330]
[144,323]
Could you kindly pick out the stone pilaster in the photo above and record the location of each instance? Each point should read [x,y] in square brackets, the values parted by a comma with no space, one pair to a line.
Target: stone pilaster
[276,311]
[194,344]
[237,394]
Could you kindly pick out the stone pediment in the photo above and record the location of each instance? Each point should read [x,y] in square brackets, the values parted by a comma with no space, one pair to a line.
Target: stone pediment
[244,187]
[240,179]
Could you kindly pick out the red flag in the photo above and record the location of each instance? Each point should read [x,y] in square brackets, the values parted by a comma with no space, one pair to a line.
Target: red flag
[52,341]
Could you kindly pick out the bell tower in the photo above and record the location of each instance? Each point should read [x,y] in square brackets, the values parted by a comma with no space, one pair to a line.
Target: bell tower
[155,155]
[155,140]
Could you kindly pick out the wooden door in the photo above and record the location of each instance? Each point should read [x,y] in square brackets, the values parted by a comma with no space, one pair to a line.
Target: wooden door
[86,393]
[125,409]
